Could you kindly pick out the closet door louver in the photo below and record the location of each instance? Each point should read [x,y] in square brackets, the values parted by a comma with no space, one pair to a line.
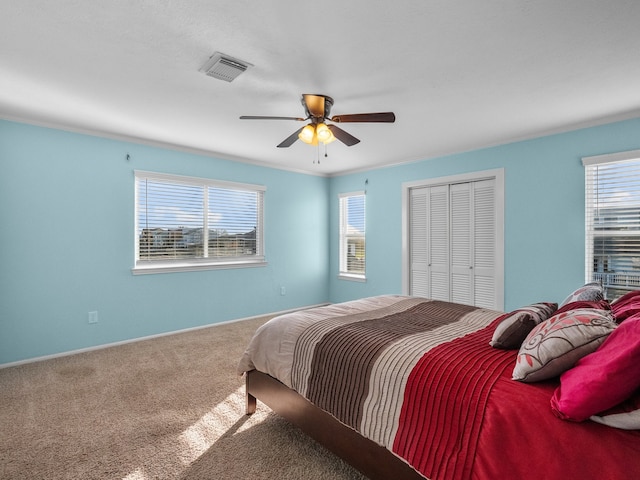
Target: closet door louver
[438,244]
[418,247]
[429,233]
[461,243]
[485,244]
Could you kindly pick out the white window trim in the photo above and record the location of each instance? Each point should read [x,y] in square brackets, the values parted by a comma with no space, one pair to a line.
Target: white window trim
[342,274]
[610,157]
[498,175]
[188,265]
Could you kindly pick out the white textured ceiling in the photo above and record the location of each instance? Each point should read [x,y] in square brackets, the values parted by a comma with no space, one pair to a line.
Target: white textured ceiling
[459,75]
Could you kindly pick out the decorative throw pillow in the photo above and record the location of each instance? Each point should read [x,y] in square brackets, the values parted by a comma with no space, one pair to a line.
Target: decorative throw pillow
[626,297]
[626,421]
[558,343]
[626,306]
[603,379]
[625,415]
[591,292]
[600,305]
[514,328]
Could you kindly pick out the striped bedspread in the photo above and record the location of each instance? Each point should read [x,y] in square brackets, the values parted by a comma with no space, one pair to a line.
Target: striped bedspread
[388,374]
[377,366]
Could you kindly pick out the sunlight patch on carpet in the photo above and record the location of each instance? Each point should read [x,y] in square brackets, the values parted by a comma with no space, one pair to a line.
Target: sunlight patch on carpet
[137,475]
[200,436]
[227,418]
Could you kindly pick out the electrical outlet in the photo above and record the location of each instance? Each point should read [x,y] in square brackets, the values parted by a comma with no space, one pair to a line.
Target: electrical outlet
[93,317]
[283,291]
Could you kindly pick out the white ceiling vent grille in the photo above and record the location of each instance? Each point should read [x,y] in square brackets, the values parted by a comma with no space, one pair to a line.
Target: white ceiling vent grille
[224,67]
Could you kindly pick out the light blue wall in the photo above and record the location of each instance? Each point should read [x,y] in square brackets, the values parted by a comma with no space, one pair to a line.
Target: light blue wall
[67,245]
[544,212]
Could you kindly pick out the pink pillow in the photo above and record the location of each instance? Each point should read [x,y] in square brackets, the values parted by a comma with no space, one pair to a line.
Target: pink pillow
[602,379]
[626,306]
[627,296]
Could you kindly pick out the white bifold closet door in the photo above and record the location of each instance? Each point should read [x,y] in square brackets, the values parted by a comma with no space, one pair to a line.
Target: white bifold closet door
[452,242]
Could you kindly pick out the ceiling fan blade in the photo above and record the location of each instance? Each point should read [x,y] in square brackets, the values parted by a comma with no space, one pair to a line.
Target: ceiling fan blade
[287,142]
[382,117]
[317,106]
[259,117]
[343,136]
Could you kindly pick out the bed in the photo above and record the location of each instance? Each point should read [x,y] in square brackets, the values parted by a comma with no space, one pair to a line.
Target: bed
[411,388]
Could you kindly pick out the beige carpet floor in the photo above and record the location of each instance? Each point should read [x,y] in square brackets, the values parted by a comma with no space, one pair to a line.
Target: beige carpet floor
[166,408]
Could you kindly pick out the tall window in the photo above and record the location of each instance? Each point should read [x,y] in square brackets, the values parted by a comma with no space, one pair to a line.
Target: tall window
[352,235]
[186,223]
[613,221]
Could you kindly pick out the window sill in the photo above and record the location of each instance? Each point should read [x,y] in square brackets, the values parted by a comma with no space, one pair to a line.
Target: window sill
[352,277]
[153,268]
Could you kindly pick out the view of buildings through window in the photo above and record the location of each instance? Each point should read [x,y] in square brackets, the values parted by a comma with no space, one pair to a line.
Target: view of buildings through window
[178,220]
[613,225]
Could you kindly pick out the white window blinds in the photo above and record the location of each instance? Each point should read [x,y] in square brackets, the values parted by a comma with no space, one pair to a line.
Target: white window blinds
[352,235]
[612,221]
[192,223]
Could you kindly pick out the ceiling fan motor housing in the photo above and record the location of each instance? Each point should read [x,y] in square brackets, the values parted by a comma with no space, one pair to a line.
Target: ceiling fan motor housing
[317,107]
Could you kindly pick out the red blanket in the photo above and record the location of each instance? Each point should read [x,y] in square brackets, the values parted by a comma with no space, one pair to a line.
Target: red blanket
[444,405]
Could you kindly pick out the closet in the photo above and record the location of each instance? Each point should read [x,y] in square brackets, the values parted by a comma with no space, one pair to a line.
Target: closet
[455,242]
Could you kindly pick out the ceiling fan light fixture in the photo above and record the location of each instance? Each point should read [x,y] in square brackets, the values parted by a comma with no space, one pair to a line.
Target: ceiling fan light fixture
[324,134]
[308,134]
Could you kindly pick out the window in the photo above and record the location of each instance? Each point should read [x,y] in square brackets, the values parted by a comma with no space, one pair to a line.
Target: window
[612,220]
[352,236]
[186,223]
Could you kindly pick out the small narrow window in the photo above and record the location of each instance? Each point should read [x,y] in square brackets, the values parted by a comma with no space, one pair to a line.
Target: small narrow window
[187,223]
[352,236]
[612,219]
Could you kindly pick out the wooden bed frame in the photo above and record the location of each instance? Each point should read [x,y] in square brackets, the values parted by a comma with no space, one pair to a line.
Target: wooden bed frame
[373,460]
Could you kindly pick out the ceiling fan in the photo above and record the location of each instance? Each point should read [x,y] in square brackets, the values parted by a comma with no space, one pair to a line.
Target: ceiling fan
[318,109]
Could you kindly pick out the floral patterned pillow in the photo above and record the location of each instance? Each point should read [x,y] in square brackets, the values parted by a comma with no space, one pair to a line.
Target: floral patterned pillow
[558,343]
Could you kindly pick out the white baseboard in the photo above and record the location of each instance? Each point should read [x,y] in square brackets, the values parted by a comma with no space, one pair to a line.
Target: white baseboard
[149,337]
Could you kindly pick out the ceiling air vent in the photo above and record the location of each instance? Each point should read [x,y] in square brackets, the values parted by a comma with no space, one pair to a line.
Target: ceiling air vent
[224,67]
